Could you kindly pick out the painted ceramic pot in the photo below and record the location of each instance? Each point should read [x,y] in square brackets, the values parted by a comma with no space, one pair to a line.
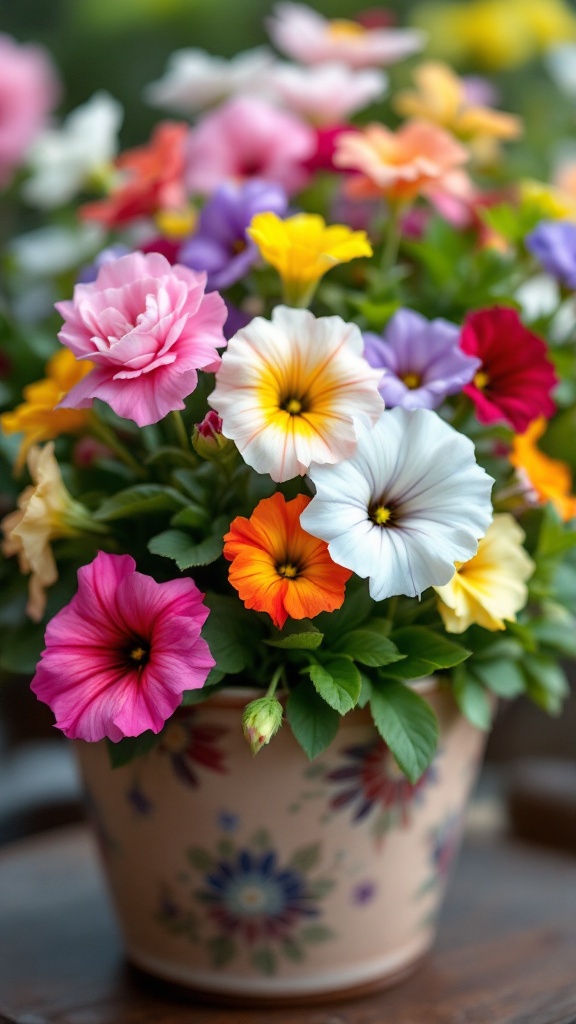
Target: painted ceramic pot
[273,877]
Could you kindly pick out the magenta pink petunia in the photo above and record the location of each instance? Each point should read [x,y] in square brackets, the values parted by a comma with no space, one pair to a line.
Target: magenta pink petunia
[120,655]
[148,327]
[516,377]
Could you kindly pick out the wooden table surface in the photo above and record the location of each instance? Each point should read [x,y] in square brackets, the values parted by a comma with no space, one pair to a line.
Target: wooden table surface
[506,952]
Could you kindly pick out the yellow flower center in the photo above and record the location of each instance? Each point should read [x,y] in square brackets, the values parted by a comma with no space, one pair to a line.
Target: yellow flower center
[481,380]
[288,571]
[412,380]
[381,515]
[293,406]
[340,27]
[139,655]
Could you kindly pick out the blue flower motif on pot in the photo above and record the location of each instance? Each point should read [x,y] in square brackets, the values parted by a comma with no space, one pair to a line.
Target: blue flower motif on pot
[252,897]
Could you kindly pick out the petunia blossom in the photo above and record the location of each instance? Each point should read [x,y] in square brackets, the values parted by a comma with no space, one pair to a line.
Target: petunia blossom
[405,507]
[490,588]
[305,35]
[328,93]
[28,91]
[542,478]
[195,80]
[422,358]
[221,246]
[277,567]
[148,328]
[248,138]
[516,378]
[37,417]
[120,655]
[291,392]
[553,243]
[399,165]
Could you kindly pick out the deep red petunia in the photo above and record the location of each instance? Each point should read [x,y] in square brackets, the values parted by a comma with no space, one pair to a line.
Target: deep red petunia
[516,377]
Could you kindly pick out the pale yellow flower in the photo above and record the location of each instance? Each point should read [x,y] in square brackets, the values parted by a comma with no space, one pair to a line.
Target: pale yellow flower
[37,418]
[45,512]
[491,588]
[547,202]
[440,97]
[303,248]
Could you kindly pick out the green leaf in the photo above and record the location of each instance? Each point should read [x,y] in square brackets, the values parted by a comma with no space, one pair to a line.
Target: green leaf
[313,723]
[194,516]
[407,725]
[305,858]
[187,552]
[229,632]
[338,682]
[558,634]
[365,692]
[314,933]
[126,750]
[222,950]
[504,678]
[546,682]
[264,960]
[142,499]
[369,647]
[425,652]
[297,636]
[200,859]
[292,951]
[472,699]
[357,607]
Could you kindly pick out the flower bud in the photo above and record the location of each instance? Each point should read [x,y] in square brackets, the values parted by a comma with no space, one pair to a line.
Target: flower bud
[261,720]
[209,442]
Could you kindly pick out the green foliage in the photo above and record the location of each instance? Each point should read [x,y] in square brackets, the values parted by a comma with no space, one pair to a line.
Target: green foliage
[407,725]
[312,721]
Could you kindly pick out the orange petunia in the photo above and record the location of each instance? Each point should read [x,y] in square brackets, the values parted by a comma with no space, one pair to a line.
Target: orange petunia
[152,179]
[279,568]
[551,479]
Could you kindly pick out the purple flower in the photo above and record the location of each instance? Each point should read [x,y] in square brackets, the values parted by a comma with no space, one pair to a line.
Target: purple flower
[553,243]
[221,246]
[422,359]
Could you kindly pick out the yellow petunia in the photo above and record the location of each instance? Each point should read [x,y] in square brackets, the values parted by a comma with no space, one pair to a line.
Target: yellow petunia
[440,97]
[491,588]
[303,248]
[37,418]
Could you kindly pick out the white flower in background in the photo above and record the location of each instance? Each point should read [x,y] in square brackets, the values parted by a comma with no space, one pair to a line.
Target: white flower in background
[64,160]
[195,80]
[405,507]
[327,93]
[290,391]
[54,249]
[306,36]
[561,63]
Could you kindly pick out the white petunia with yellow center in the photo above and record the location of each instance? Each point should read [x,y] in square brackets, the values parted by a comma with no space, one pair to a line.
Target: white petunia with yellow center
[491,588]
[292,391]
[398,511]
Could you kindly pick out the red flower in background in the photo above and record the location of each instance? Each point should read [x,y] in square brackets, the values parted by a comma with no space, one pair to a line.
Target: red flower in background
[516,377]
[154,179]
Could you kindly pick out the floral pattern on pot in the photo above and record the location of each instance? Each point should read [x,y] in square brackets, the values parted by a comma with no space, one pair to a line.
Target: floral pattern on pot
[371,784]
[190,744]
[251,903]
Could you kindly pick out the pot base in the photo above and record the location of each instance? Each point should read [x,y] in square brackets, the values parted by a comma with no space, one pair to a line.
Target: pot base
[244,993]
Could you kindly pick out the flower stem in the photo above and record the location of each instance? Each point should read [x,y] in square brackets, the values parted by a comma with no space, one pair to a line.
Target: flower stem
[392,242]
[180,430]
[105,434]
[278,675]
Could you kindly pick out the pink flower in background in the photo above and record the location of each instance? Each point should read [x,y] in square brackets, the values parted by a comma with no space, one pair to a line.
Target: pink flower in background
[28,92]
[120,655]
[307,36]
[148,327]
[248,138]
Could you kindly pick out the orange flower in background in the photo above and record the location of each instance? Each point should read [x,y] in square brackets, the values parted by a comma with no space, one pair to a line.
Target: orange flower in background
[550,479]
[280,569]
[398,165]
[152,179]
[37,418]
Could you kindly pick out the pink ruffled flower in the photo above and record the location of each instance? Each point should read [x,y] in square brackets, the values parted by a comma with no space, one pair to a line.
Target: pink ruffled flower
[247,138]
[120,655]
[28,92]
[148,327]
